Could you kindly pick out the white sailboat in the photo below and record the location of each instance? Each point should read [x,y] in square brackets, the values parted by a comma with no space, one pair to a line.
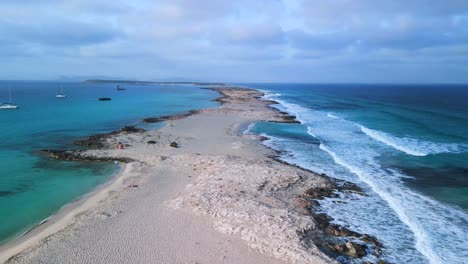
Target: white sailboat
[61,94]
[10,104]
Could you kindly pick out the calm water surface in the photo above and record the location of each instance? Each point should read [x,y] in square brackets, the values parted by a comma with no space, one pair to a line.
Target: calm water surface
[32,186]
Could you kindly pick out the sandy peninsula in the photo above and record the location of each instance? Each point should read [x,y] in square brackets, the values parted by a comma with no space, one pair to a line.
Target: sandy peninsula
[194,191]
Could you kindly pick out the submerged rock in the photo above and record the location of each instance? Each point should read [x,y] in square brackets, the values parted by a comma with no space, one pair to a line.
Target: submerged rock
[372,240]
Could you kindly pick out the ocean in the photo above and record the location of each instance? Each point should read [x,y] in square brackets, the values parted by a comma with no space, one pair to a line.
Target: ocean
[33,186]
[405,145]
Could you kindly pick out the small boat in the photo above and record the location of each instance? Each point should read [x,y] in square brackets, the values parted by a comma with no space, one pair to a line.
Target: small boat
[10,104]
[120,88]
[104,99]
[61,94]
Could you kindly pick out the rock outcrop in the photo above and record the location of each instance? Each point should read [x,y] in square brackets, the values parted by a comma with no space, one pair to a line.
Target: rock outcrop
[98,141]
[77,155]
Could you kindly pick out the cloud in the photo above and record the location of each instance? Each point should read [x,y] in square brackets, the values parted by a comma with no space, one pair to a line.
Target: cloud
[383,24]
[263,34]
[58,33]
[284,40]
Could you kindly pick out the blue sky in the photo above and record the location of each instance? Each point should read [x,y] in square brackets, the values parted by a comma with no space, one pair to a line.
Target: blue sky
[236,41]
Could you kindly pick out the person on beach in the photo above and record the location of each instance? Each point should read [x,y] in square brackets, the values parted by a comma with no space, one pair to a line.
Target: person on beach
[120,145]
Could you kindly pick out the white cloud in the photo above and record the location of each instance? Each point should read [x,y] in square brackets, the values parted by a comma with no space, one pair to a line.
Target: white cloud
[265,38]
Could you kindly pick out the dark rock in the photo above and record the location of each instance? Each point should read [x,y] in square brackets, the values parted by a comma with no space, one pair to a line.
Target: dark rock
[270,102]
[371,240]
[286,120]
[263,138]
[314,203]
[153,119]
[331,238]
[319,193]
[75,155]
[322,220]
[351,249]
[356,250]
[104,99]
[340,248]
[349,187]
[336,230]
[151,142]
[132,129]
[289,119]
[172,117]
[98,141]
[174,144]
[90,143]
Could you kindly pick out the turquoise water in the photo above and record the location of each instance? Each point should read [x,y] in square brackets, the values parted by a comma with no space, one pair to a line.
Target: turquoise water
[406,145]
[32,186]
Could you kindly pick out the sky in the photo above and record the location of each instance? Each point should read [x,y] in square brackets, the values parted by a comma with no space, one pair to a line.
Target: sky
[333,41]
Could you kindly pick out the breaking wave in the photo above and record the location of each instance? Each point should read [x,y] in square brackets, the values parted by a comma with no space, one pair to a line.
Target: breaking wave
[412,146]
[411,219]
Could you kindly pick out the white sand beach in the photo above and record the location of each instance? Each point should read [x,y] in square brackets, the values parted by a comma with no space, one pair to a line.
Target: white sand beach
[218,197]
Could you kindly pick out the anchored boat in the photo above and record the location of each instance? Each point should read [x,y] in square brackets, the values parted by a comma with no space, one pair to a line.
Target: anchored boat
[61,94]
[10,104]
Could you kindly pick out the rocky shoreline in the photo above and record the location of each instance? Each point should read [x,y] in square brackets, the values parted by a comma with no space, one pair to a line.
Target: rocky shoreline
[336,240]
[332,239]
[79,155]
[98,141]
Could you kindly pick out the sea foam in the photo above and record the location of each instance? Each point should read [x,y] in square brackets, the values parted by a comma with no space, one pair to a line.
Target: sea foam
[249,128]
[412,146]
[350,147]
[422,239]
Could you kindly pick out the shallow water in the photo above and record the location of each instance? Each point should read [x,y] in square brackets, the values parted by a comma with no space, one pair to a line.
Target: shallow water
[32,186]
[406,145]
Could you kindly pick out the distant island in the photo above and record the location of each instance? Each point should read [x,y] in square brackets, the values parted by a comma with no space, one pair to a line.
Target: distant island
[159,83]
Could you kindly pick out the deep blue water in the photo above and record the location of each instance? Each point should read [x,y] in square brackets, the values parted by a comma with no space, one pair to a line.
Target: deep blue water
[406,145]
[32,186]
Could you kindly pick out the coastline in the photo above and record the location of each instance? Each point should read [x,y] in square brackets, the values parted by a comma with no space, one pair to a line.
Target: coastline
[295,208]
[62,218]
